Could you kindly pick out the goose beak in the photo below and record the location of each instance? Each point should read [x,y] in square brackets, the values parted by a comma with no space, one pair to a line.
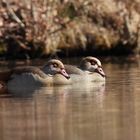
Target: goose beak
[64,73]
[100,71]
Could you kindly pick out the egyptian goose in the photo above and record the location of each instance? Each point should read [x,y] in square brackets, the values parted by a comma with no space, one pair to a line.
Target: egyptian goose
[52,73]
[90,69]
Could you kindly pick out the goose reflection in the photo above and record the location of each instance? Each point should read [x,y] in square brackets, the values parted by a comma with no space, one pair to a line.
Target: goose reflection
[63,90]
[49,109]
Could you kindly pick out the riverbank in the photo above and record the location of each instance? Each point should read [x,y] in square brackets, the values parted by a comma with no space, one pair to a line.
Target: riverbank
[39,28]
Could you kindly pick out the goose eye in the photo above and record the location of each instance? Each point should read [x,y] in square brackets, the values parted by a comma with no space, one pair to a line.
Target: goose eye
[93,63]
[55,65]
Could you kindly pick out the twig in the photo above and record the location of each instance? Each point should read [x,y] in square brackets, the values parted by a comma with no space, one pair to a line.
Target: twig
[10,10]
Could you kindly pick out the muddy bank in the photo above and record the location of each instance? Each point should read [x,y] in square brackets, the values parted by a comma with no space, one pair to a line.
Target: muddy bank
[37,28]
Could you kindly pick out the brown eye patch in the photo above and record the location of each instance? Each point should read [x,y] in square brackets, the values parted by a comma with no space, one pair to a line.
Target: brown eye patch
[55,65]
[93,62]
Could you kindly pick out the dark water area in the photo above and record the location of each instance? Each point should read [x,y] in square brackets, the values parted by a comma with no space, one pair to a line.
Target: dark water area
[95,111]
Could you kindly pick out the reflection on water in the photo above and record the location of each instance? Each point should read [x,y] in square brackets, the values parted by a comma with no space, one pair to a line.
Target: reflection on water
[78,112]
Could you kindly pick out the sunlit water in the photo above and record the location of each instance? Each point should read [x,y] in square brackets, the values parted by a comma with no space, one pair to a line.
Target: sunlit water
[79,112]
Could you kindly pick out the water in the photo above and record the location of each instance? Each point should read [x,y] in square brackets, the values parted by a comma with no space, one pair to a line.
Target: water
[79,112]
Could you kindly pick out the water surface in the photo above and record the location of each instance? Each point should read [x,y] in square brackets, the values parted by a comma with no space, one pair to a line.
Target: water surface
[79,112]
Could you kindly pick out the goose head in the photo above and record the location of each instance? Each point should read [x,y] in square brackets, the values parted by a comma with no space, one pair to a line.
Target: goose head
[54,67]
[92,64]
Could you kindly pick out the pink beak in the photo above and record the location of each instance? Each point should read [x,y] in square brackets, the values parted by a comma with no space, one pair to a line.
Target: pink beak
[100,71]
[64,73]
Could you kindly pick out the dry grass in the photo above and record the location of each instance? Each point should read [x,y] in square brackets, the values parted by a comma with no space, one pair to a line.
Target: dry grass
[50,25]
